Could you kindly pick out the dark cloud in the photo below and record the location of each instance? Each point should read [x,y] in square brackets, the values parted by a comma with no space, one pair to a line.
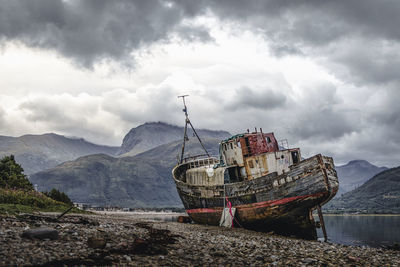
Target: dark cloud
[362,38]
[357,41]
[264,99]
[93,30]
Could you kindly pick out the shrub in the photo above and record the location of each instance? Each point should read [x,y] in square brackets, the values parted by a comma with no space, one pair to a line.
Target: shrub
[12,176]
[59,196]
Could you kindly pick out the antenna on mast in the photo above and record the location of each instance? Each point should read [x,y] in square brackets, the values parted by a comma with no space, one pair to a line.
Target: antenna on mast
[184,104]
[187,121]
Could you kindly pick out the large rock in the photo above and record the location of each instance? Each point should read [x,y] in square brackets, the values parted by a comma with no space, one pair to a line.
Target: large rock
[41,233]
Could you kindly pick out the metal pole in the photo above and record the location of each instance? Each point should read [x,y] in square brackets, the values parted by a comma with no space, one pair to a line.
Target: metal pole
[185,133]
[186,122]
[321,221]
[201,143]
[184,141]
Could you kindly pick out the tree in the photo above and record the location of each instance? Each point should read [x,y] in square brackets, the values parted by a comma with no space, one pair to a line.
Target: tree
[12,175]
[59,196]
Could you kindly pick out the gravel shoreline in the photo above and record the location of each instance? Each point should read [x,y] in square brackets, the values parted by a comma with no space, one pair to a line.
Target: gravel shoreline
[119,240]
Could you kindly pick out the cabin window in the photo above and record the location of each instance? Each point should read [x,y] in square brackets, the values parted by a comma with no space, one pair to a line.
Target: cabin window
[247,143]
[231,145]
[268,139]
[224,146]
[234,175]
[295,157]
[251,165]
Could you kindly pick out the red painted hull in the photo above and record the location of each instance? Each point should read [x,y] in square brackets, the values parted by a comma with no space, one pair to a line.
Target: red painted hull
[287,216]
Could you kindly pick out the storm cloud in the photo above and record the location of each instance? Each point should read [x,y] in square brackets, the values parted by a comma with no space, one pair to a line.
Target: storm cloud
[94,30]
[323,73]
[362,38]
[263,99]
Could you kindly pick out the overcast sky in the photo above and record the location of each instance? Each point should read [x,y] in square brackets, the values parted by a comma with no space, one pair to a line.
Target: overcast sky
[323,74]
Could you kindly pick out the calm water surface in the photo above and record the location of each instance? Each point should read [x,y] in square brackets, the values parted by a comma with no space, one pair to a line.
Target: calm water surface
[358,230]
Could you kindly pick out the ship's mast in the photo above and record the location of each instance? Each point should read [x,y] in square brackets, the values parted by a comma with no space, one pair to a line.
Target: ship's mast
[187,121]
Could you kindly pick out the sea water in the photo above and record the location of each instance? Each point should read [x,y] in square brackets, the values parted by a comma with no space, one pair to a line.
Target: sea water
[362,230]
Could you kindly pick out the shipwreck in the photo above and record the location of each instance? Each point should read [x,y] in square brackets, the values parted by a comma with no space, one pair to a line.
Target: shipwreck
[256,184]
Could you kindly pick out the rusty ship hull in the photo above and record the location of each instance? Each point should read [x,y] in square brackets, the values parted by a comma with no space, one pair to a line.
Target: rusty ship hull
[279,203]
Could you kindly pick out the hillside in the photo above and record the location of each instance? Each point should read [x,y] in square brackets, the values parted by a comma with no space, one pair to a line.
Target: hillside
[39,152]
[141,181]
[153,134]
[354,174]
[380,194]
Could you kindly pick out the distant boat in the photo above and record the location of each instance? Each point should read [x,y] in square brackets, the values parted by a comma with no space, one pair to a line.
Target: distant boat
[256,184]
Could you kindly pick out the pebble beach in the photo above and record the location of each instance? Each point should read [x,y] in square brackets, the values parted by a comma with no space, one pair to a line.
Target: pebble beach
[121,240]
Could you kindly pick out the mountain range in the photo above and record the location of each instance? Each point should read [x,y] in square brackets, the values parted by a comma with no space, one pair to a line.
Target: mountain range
[380,194]
[40,152]
[150,135]
[354,174]
[143,180]
[138,173]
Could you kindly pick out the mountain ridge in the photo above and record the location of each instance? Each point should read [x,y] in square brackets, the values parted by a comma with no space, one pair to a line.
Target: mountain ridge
[380,194]
[354,174]
[153,134]
[38,152]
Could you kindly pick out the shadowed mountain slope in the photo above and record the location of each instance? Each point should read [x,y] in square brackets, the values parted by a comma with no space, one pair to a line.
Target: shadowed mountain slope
[39,152]
[380,194]
[354,174]
[144,180]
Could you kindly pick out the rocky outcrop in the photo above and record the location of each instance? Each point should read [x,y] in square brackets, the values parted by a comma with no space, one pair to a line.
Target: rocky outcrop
[153,134]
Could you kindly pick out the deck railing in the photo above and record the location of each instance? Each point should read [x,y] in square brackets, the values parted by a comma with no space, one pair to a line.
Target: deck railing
[201,160]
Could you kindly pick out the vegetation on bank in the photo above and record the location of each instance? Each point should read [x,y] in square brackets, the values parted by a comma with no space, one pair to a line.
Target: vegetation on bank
[17,193]
[59,196]
[12,176]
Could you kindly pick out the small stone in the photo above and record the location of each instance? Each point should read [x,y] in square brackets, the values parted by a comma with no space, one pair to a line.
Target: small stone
[354,259]
[96,242]
[309,260]
[41,233]
[260,258]
[127,258]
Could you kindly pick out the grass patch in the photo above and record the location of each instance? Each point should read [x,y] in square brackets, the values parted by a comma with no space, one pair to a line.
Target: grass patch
[20,201]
